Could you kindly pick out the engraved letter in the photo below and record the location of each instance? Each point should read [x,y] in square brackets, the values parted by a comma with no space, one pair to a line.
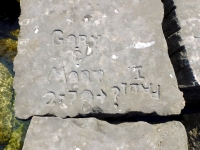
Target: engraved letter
[74,96]
[98,74]
[145,88]
[73,77]
[57,75]
[71,42]
[155,93]
[137,69]
[61,98]
[85,75]
[94,41]
[124,85]
[87,96]
[57,37]
[116,93]
[134,87]
[77,56]
[50,98]
[102,96]
[82,43]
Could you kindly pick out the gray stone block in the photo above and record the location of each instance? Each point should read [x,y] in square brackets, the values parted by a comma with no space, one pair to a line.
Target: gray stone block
[104,57]
[181,26]
[46,133]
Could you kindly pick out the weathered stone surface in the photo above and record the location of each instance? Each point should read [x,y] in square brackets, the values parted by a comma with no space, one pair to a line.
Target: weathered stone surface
[46,133]
[81,57]
[181,28]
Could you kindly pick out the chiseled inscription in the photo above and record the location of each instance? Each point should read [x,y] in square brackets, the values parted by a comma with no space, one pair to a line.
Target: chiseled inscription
[77,56]
[98,74]
[73,96]
[73,77]
[102,96]
[57,37]
[138,70]
[116,93]
[51,98]
[80,43]
[134,88]
[57,74]
[85,75]
[87,96]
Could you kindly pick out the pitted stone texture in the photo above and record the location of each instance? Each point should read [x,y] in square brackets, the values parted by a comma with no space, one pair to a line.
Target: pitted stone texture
[46,133]
[181,26]
[104,57]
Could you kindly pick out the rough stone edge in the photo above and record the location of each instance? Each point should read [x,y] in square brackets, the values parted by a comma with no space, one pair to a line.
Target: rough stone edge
[178,53]
[103,122]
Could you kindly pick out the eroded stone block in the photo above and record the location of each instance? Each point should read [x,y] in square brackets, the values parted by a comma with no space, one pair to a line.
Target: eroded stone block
[46,133]
[81,57]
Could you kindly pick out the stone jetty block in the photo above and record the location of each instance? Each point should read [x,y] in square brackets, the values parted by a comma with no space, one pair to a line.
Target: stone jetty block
[93,57]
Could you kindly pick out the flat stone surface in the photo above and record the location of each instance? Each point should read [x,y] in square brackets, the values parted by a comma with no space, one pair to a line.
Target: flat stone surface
[104,57]
[182,30]
[46,133]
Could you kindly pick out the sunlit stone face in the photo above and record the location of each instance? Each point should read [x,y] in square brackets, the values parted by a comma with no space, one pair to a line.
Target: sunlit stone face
[92,134]
[99,57]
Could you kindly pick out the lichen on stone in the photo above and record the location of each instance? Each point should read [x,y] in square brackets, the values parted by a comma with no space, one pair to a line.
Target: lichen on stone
[15,33]
[6,104]
[8,49]
[18,135]
[12,131]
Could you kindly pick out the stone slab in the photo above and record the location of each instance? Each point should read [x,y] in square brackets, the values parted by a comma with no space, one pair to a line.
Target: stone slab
[46,133]
[181,26]
[104,57]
